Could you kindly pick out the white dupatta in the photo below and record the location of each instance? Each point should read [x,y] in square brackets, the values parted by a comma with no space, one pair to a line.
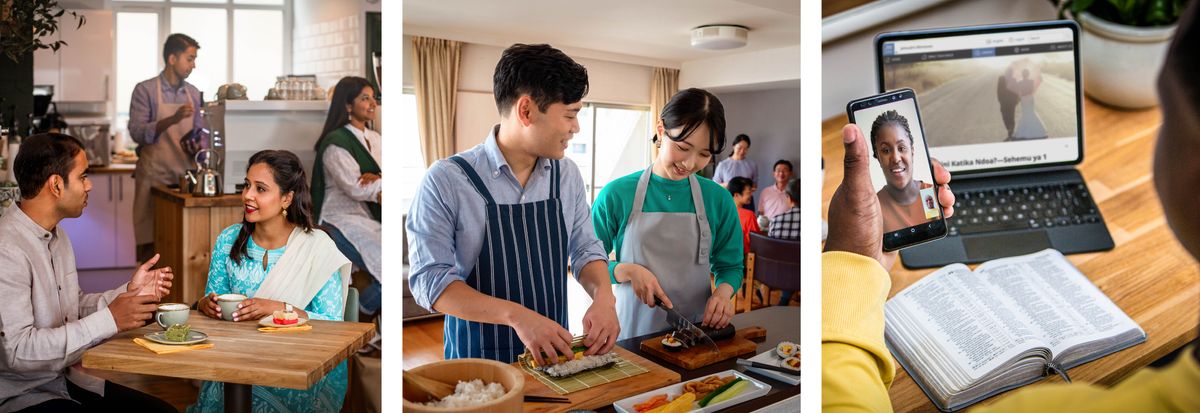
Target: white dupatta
[304,268]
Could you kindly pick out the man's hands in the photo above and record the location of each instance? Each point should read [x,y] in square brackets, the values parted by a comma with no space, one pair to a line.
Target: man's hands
[855,220]
[131,310]
[600,326]
[153,282]
[542,335]
[182,113]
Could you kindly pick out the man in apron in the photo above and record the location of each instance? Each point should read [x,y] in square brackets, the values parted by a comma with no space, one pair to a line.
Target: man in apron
[162,113]
[491,229]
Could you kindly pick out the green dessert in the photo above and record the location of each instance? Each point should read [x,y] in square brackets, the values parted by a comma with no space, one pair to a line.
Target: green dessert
[177,332]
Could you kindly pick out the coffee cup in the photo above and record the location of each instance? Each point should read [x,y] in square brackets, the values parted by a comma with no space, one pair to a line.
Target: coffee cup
[169,314]
[229,305]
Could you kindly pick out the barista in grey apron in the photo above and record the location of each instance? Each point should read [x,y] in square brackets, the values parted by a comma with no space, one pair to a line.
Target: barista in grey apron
[159,163]
[674,246]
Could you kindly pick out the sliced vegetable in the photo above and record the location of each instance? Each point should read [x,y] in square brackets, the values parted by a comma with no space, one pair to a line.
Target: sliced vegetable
[714,393]
[730,392]
[681,404]
[655,401]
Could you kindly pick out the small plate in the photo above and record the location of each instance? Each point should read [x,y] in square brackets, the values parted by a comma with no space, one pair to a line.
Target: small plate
[757,389]
[193,337]
[269,321]
[770,357]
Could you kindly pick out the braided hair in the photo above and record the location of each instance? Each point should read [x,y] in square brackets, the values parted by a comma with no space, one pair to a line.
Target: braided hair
[888,118]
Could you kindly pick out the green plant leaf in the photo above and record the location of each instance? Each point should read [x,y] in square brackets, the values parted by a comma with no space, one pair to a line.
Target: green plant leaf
[1157,13]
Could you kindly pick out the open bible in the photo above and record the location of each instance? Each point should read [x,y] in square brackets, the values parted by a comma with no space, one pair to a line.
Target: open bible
[966,335]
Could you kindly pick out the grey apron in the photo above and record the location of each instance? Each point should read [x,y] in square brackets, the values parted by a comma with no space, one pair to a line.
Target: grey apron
[159,163]
[675,247]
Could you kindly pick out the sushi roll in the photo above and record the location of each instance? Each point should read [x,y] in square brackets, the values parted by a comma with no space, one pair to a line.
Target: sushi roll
[792,363]
[787,349]
[580,365]
[670,343]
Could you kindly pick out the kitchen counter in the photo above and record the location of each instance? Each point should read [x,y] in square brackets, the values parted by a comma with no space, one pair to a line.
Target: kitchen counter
[185,229]
[115,168]
[189,200]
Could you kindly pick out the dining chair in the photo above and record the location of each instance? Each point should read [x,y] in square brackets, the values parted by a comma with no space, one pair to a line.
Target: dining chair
[773,262]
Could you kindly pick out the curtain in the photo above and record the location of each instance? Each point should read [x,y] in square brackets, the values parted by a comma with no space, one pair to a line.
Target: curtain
[435,80]
[663,85]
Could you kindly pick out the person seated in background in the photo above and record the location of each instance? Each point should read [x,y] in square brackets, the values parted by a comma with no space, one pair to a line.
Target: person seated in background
[787,226]
[774,199]
[742,189]
[275,257]
[857,368]
[347,184]
[46,321]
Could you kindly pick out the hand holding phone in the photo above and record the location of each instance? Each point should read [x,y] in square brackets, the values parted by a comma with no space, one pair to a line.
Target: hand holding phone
[901,170]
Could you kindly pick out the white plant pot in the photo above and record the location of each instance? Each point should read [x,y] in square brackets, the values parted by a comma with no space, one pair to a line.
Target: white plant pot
[1121,63]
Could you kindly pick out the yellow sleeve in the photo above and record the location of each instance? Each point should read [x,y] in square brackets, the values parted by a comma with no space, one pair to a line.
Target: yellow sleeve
[1170,389]
[856,368]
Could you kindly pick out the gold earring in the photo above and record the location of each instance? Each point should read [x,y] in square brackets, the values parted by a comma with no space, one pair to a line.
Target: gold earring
[285,212]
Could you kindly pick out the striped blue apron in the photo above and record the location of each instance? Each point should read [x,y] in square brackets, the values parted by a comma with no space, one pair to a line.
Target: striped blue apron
[523,260]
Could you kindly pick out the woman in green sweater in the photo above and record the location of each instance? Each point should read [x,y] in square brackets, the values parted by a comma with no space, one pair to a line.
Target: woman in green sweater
[670,228]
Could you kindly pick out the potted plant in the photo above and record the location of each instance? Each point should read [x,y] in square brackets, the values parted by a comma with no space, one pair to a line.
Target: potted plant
[1123,46]
[23,24]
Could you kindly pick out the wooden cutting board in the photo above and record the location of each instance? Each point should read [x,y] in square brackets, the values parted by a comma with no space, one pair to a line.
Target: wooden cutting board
[702,355]
[600,396]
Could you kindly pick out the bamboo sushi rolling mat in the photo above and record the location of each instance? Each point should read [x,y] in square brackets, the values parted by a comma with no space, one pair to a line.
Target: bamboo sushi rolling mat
[622,370]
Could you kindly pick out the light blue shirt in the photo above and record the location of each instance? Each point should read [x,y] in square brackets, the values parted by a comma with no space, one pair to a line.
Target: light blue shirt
[729,168]
[447,220]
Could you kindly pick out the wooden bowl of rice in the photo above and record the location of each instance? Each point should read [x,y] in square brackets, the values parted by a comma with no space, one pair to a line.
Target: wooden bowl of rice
[466,370]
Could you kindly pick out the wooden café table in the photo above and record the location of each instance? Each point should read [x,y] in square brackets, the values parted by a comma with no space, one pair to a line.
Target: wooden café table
[1149,275]
[241,355]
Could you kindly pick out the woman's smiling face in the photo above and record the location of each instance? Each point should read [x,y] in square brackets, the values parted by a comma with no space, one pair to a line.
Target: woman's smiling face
[680,159]
[893,148]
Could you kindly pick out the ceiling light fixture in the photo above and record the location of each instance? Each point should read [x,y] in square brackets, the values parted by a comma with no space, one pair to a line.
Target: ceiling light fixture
[720,36]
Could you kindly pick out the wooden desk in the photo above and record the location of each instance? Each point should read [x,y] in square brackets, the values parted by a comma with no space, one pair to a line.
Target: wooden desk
[1149,275]
[185,228]
[241,355]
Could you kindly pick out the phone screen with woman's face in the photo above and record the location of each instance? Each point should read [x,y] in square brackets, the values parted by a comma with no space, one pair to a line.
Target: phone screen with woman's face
[900,168]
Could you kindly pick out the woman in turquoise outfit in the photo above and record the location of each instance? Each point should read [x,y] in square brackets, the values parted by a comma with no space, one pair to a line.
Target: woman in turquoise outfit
[276,258]
[670,229]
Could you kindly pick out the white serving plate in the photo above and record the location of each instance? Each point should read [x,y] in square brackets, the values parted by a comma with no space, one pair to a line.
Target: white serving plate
[757,389]
[772,358]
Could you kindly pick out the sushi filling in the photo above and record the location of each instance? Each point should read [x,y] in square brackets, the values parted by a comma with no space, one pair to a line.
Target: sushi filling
[581,365]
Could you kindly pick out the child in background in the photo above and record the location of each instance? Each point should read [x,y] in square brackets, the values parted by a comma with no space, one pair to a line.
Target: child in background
[742,189]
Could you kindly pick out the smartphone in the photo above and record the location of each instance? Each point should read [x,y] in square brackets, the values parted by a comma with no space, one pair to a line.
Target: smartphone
[901,171]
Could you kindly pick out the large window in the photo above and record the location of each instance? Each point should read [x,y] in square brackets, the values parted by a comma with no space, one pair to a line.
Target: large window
[243,41]
[412,164]
[613,141]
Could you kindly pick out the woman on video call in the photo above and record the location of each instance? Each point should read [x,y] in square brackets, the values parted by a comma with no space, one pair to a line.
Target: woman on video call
[900,199]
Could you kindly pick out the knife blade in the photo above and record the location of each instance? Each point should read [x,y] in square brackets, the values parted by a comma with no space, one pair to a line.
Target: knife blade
[680,323]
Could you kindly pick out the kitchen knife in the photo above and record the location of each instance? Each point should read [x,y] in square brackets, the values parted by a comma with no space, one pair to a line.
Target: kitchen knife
[749,363]
[679,323]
